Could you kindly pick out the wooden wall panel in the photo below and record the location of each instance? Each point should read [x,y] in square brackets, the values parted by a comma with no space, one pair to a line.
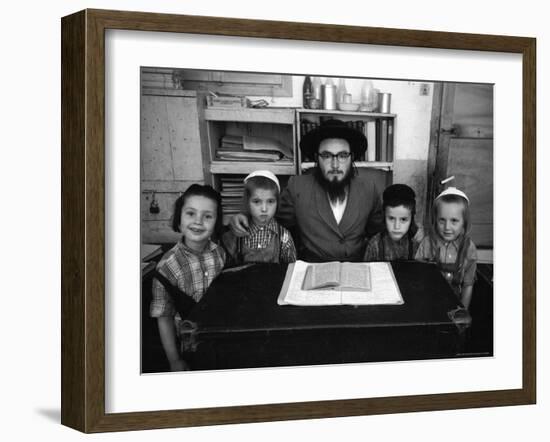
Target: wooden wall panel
[183,126]
[471,162]
[156,154]
[159,232]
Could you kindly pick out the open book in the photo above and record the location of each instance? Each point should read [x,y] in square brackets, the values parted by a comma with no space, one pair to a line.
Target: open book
[337,276]
[370,283]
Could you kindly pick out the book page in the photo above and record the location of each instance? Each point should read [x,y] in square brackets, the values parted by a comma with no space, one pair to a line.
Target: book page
[384,288]
[292,293]
[355,276]
[322,275]
[314,297]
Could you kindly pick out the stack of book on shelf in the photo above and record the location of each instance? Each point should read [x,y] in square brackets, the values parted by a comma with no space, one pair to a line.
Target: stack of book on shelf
[307,126]
[232,189]
[249,148]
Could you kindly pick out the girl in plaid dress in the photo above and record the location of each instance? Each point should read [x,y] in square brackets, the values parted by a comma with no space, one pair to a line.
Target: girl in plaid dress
[267,241]
[186,271]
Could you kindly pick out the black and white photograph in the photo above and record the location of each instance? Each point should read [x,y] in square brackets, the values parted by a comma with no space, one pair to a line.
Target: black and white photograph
[300,220]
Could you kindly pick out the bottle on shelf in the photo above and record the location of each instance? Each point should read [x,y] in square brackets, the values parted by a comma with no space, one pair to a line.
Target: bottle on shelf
[307,92]
[329,95]
[317,83]
[317,97]
[369,97]
[342,91]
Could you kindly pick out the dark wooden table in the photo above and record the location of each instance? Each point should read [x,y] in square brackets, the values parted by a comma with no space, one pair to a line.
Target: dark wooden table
[238,323]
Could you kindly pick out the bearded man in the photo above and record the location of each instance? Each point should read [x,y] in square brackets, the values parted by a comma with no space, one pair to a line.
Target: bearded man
[333,209]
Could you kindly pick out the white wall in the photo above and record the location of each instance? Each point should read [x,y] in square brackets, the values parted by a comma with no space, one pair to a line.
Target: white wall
[30,175]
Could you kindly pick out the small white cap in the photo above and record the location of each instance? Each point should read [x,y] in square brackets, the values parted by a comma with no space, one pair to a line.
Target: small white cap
[453,191]
[266,174]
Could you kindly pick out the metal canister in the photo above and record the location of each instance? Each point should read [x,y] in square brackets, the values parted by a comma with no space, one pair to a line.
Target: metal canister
[384,102]
[329,96]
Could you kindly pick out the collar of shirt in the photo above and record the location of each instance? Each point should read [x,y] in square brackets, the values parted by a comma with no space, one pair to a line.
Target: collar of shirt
[338,208]
[210,247]
[403,241]
[448,246]
[455,243]
[271,225]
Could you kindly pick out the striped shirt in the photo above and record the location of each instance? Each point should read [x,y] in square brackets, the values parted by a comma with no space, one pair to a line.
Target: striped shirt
[190,271]
[445,254]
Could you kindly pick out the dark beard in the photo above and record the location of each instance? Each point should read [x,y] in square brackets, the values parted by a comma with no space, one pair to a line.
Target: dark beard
[336,189]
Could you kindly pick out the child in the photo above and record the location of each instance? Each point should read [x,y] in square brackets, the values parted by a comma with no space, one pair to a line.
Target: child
[267,240]
[449,244]
[185,272]
[399,240]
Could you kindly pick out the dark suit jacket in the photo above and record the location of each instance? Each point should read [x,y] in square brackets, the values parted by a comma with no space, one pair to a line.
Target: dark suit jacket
[304,207]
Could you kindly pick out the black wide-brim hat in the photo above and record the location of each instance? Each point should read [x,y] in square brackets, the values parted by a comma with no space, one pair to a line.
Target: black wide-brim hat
[333,129]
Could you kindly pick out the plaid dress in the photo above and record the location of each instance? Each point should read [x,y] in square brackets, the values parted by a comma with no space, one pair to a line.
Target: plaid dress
[190,271]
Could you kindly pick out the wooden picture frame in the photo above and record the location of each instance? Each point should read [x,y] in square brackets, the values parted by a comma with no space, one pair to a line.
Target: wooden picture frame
[83,220]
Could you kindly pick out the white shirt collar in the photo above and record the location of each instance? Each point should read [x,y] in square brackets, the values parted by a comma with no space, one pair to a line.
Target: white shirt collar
[338,208]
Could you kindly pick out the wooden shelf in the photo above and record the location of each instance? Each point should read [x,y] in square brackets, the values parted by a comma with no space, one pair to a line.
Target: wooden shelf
[245,167]
[345,113]
[167,92]
[385,165]
[246,115]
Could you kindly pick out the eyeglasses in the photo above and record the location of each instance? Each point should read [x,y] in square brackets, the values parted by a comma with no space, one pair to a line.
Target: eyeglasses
[340,156]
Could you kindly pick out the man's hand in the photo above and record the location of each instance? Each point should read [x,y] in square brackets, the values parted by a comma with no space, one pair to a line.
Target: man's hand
[238,224]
